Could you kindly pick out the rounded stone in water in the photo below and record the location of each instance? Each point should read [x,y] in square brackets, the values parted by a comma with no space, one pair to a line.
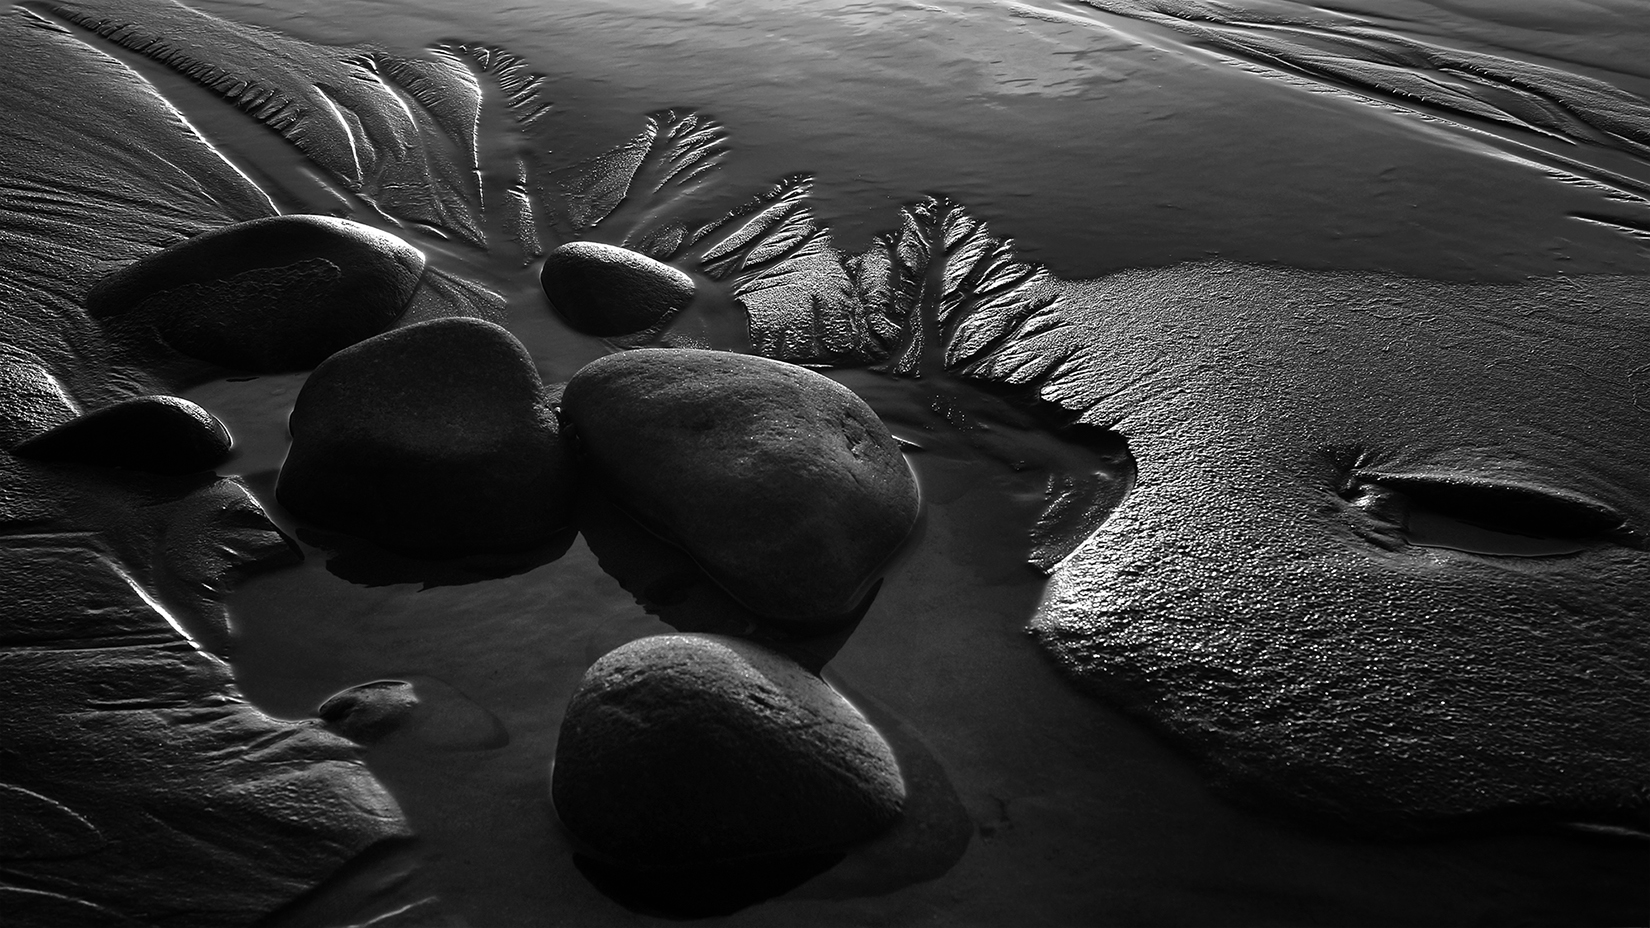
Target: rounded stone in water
[160,434]
[607,290]
[687,751]
[434,438]
[780,482]
[430,713]
[371,711]
[268,295]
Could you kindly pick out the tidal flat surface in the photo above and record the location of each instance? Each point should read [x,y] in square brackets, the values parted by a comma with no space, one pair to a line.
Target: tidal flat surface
[1213,332]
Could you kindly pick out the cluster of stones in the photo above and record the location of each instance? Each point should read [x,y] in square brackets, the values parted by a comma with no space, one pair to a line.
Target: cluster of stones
[437,438]
[269,295]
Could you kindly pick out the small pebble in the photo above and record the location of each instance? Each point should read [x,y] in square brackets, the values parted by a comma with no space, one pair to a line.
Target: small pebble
[607,290]
[369,712]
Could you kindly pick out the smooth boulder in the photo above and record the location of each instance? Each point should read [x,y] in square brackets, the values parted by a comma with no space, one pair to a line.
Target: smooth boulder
[159,434]
[682,752]
[267,295]
[436,438]
[781,483]
[607,290]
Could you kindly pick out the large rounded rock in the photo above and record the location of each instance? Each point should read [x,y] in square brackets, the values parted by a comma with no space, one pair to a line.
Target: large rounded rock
[687,751]
[607,290]
[272,294]
[782,484]
[159,434]
[437,438]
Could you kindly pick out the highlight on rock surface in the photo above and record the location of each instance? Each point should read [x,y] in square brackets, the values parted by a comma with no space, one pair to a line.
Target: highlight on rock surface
[268,295]
[607,290]
[161,434]
[686,751]
[423,711]
[369,712]
[782,484]
[437,437]
[36,400]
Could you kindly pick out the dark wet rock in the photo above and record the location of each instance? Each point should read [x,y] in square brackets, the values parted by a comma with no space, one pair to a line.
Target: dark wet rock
[434,437]
[935,829]
[137,781]
[422,710]
[272,294]
[607,290]
[683,751]
[160,434]
[781,483]
[368,712]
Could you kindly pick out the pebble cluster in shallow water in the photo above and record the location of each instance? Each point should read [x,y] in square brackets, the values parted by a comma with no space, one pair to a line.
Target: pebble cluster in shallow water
[438,438]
